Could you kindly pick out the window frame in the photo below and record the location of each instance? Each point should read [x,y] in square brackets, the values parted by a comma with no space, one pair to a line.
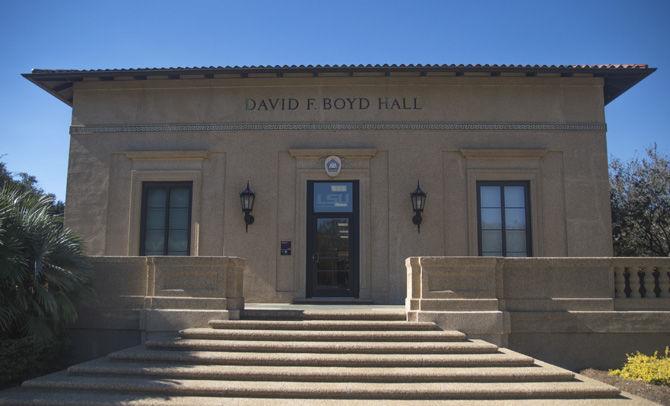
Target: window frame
[169,185]
[527,203]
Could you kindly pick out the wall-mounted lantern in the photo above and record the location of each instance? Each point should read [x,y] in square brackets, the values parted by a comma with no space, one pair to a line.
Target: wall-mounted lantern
[418,203]
[247,197]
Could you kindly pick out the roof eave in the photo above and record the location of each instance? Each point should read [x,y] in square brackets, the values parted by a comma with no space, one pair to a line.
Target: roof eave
[617,79]
[32,77]
[628,81]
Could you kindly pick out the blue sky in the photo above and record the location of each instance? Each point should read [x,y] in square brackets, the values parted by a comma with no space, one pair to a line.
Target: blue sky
[89,34]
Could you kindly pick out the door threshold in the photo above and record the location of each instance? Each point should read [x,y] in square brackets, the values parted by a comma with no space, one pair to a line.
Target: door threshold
[332,300]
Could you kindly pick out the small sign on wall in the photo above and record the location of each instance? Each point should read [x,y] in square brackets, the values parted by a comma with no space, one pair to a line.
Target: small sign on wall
[285,248]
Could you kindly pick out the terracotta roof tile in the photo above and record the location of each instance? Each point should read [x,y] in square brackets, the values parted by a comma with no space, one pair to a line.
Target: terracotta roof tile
[617,77]
[350,66]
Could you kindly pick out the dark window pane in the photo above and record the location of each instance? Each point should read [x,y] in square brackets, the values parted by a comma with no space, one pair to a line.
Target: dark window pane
[515,241]
[154,241]
[506,218]
[492,253]
[156,228]
[332,279]
[178,219]
[489,196]
[177,241]
[156,197]
[515,219]
[179,197]
[155,219]
[491,219]
[327,263]
[491,241]
[515,196]
[332,236]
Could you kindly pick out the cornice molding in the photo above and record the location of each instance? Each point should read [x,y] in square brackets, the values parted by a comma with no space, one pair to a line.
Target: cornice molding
[502,153]
[342,126]
[167,154]
[351,153]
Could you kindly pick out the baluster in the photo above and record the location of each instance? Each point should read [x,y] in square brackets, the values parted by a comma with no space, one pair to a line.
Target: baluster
[627,284]
[664,282]
[655,278]
[634,283]
[619,283]
[642,273]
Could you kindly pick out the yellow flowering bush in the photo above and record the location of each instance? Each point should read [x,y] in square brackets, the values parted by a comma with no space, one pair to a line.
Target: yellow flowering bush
[649,368]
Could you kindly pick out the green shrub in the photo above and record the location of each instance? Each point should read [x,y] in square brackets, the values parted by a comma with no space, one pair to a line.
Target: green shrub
[649,368]
[28,357]
[43,269]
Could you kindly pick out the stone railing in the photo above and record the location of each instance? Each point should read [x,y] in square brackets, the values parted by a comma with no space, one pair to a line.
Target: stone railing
[169,282]
[215,282]
[531,284]
[138,297]
[577,312]
[637,278]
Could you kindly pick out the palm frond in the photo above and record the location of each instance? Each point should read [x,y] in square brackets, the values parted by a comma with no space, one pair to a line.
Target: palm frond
[42,266]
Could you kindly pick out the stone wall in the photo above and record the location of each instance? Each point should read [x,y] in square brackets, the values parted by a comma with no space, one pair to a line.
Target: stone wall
[575,312]
[137,297]
[546,131]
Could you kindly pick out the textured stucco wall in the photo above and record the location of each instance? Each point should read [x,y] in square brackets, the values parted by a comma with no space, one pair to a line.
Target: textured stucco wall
[549,131]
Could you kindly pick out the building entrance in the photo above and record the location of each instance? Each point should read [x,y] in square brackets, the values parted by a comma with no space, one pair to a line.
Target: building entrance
[332,239]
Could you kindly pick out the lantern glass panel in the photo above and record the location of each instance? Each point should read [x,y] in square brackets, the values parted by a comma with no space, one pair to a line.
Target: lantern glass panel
[247,199]
[420,201]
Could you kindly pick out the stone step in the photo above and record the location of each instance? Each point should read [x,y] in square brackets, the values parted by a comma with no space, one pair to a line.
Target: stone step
[330,390]
[502,358]
[342,325]
[321,335]
[321,374]
[329,314]
[340,301]
[185,302]
[464,347]
[41,397]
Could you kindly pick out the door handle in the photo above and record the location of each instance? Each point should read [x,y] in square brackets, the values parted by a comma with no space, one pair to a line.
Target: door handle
[315,258]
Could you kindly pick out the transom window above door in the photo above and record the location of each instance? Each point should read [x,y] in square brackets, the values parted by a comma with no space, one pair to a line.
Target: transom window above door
[503,218]
[166,218]
[333,197]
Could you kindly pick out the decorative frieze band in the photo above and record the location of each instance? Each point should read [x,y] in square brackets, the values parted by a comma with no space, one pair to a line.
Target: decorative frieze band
[344,126]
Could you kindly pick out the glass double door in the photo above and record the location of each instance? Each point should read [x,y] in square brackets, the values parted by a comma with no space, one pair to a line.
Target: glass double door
[332,239]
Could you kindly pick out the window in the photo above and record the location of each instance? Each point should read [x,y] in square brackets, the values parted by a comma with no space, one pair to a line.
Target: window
[503,217]
[166,218]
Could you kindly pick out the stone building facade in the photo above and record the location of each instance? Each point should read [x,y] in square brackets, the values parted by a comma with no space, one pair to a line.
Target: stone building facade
[513,161]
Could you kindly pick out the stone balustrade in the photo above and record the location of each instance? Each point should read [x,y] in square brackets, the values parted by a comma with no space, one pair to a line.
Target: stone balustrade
[494,283]
[591,311]
[638,278]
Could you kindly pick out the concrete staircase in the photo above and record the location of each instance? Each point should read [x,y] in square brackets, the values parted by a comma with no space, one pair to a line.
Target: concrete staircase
[313,357]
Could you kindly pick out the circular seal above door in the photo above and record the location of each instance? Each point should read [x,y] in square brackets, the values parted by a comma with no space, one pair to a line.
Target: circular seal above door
[333,165]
